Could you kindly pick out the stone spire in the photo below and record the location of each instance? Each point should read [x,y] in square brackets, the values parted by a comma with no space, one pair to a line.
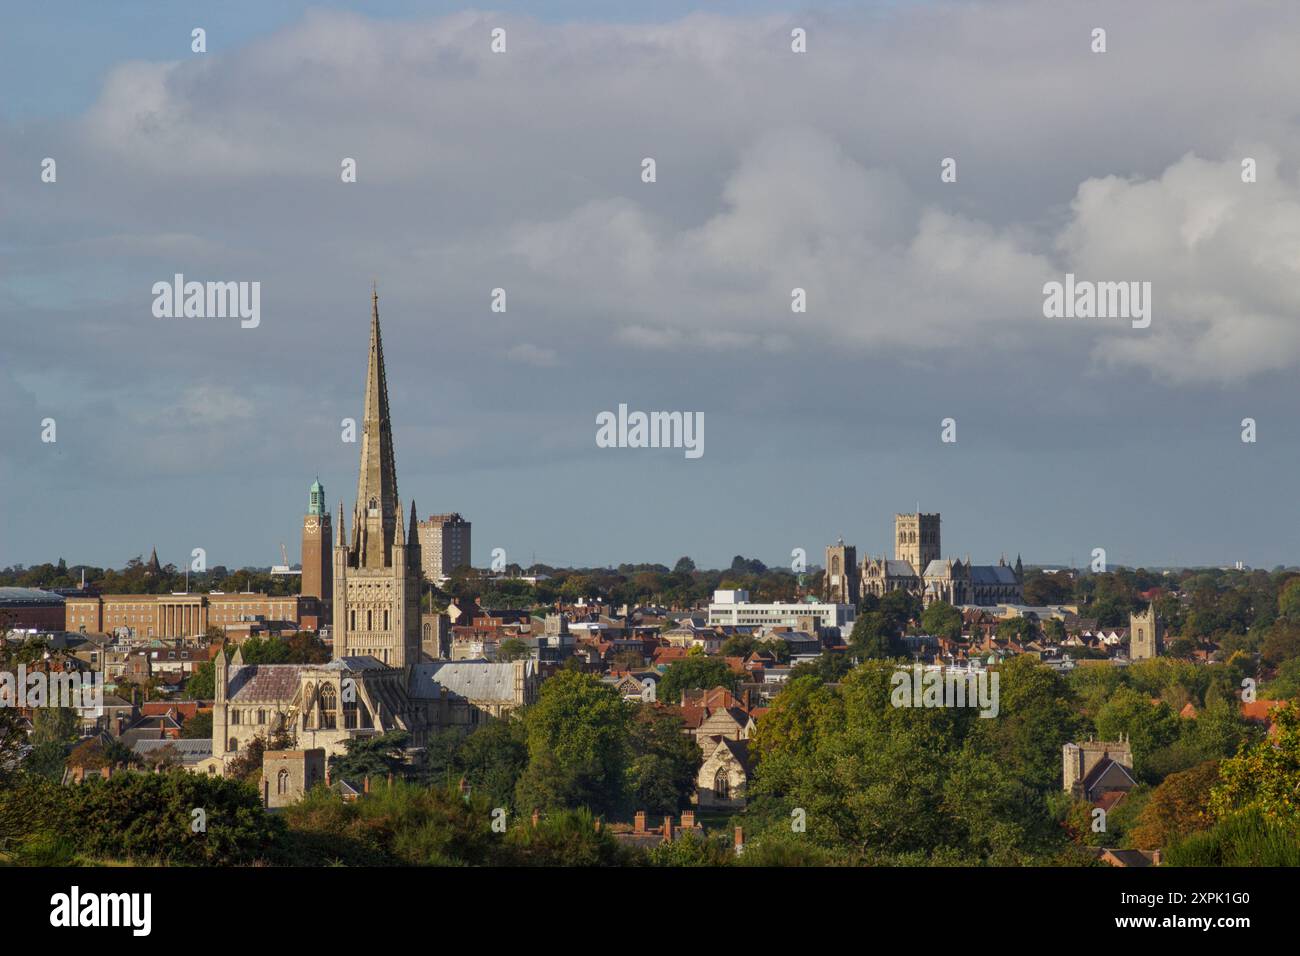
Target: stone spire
[413,538]
[377,481]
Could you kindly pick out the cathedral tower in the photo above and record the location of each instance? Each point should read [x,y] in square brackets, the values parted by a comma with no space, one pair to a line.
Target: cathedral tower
[916,540]
[377,567]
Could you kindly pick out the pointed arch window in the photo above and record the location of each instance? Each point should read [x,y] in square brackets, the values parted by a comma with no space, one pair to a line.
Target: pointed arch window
[328,708]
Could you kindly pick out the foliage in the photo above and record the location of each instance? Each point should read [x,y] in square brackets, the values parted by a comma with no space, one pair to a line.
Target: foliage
[694,672]
[577,735]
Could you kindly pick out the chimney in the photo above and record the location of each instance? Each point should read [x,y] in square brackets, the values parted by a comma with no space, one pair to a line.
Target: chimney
[740,840]
[598,823]
[365,787]
[688,820]
[668,828]
[536,815]
[390,781]
[106,772]
[1156,857]
[327,775]
[79,774]
[638,825]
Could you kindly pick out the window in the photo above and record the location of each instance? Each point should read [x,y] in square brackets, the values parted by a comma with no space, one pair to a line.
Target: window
[722,785]
[328,706]
[282,782]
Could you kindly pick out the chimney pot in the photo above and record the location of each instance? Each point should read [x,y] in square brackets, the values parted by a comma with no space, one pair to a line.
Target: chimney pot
[638,824]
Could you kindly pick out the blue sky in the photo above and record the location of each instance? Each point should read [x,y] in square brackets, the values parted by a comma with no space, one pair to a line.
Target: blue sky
[775,170]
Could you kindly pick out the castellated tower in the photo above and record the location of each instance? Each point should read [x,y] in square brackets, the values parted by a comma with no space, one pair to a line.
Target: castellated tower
[377,568]
[1145,635]
[840,579]
[916,539]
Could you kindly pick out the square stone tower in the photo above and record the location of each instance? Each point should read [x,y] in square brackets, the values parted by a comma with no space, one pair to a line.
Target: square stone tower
[1145,635]
[916,539]
[840,581]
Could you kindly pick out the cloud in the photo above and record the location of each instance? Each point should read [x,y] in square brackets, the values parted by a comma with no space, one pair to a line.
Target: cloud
[527,354]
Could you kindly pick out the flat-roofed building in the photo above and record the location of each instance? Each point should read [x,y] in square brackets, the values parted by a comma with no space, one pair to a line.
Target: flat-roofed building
[177,615]
[444,545]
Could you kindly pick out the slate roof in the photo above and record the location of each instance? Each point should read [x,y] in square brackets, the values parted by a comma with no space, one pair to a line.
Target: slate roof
[255,682]
[992,574]
[190,751]
[464,680]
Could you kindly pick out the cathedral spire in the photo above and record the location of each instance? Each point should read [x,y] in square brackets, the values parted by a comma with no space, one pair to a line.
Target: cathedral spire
[412,539]
[377,481]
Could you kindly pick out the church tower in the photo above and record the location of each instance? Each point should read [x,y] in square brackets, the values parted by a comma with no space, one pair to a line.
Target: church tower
[916,540]
[1145,635]
[377,567]
[317,541]
[840,584]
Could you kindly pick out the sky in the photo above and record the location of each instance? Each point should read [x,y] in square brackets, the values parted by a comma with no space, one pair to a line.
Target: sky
[774,170]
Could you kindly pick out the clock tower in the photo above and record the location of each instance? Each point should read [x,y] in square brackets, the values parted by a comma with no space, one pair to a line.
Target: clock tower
[317,565]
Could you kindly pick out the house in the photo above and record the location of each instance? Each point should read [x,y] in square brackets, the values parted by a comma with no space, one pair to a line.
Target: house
[723,777]
[1096,768]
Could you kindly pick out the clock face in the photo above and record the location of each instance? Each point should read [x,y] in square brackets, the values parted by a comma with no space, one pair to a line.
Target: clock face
[313,525]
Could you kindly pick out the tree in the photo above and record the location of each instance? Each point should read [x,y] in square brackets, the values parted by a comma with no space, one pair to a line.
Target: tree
[512,649]
[942,619]
[1178,807]
[57,725]
[1265,777]
[375,756]
[684,565]
[874,637]
[662,762]
[146,816]
[493,758]
[577,736]
[202,683]
[198,727]
[696,671]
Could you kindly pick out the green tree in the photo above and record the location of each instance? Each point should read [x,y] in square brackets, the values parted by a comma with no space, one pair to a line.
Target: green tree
[375,756]
[1265,777]
[57,725]
[512,649]
[663,761]
[577,736]
[198,727]
[494,757]
[696,671]
[942,619]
